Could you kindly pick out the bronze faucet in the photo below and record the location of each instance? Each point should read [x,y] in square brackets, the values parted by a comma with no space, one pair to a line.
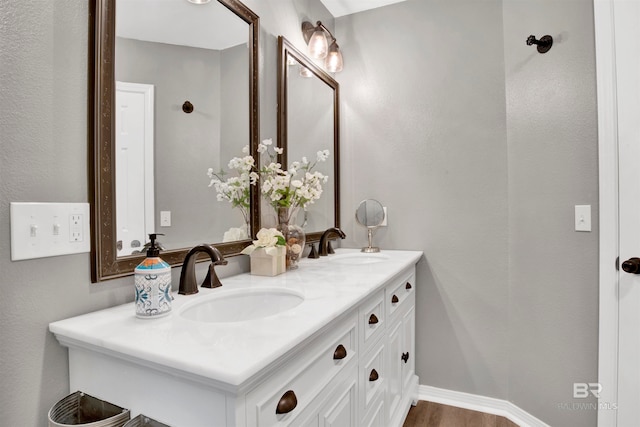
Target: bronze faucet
[188,284]
[324,246]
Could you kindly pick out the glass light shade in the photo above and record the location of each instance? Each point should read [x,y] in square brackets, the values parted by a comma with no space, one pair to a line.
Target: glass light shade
[333,62]
[199,1]
[305,72]
[318,45]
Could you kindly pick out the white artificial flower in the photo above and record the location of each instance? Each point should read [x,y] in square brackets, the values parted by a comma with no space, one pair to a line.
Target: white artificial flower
[278,150]
[323,155]
[235,234]
[268,238]
[245,149]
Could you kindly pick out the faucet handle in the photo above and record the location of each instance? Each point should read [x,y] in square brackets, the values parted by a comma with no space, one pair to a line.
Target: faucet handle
[329,248]
[212,280]
[313,253]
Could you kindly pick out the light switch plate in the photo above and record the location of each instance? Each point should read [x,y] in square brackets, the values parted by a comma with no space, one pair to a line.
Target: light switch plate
[583,217]
[40,230]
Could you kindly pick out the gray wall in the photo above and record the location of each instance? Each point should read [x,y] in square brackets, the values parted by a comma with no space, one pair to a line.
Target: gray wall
[484,149]
[552,149]
[425,133]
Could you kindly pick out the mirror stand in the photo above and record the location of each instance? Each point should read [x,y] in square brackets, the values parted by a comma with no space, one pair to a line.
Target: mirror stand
[370,213]
[370,249]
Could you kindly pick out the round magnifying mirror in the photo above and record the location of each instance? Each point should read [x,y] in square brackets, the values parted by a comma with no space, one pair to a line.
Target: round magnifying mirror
[370,213]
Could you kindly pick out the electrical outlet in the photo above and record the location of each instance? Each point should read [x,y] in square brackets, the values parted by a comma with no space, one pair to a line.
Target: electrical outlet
[75,227]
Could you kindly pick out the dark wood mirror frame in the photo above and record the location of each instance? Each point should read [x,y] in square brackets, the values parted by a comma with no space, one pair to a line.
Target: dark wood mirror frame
[105,264]
[286,48]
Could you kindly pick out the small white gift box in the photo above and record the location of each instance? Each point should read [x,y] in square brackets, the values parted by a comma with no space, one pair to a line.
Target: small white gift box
[264,264]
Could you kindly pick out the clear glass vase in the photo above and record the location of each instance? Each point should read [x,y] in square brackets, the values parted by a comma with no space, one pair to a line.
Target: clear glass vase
[293,235]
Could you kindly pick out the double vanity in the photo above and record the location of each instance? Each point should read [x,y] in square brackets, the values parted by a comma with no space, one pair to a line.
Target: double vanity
[329,344]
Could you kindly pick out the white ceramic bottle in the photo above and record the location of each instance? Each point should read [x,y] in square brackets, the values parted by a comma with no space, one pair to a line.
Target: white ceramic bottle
[153,284]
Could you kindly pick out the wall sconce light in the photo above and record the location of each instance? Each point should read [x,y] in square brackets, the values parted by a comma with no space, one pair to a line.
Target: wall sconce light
[319,47]
[199,1]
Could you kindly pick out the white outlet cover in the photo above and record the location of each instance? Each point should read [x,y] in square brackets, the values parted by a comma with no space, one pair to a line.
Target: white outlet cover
[40,230]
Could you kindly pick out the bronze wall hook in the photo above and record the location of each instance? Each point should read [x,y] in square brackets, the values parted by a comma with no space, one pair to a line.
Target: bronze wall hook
[187,107]
[544,44]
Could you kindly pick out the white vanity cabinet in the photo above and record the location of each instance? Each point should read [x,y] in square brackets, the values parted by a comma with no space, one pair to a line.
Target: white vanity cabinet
[349,361]
[355,374]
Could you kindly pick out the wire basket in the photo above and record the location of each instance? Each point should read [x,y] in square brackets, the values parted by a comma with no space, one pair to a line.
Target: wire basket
[80,409]
[144,421]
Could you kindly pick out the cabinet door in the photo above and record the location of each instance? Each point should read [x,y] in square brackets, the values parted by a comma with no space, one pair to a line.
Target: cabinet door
[341,410]
[393,394]
[408,347]
[400,360]
[377,416]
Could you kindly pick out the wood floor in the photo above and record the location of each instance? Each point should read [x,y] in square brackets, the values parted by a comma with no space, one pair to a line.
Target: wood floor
[429,414]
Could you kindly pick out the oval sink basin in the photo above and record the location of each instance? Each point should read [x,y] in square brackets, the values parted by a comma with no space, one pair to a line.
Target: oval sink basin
[238,306]
[358,258]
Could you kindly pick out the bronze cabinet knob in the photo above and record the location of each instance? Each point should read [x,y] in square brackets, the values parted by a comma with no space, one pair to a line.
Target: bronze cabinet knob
[394,299]
[407,286]
[373,376]
[373,319]
[340,353]
[405,357]
[287,403]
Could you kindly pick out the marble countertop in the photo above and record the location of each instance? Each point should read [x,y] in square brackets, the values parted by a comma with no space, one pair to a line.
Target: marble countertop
[231,354]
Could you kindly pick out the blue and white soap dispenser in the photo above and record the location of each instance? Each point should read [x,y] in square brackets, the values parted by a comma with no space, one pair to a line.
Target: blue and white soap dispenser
[153,284]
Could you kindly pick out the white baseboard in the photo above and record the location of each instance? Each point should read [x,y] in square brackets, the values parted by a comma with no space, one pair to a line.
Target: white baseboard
[475,402]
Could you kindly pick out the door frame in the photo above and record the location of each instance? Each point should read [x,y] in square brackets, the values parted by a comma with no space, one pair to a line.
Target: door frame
[604,25]
[147,90]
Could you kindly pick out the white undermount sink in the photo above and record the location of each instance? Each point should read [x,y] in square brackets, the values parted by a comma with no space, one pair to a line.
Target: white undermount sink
[359,258]
[238,306]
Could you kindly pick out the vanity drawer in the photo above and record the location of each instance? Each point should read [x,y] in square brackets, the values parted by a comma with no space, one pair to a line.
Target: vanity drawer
[302,377]
[372,377]
[372,320]
[399,291]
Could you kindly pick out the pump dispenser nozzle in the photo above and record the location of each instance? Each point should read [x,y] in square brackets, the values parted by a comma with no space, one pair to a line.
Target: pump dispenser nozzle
[153,251]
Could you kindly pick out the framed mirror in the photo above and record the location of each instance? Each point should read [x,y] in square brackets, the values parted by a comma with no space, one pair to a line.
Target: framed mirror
[308,122]
[174,89]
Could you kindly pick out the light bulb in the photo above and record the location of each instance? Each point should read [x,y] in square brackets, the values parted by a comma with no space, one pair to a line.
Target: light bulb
[305,72]
[318,44]
[333,63]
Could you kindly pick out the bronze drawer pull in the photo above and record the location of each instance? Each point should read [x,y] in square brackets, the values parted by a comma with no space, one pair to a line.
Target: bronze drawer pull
[373,376]
[287,403]
[407,286]
[373,319]
[340,353]
[394,299]
[405,357]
